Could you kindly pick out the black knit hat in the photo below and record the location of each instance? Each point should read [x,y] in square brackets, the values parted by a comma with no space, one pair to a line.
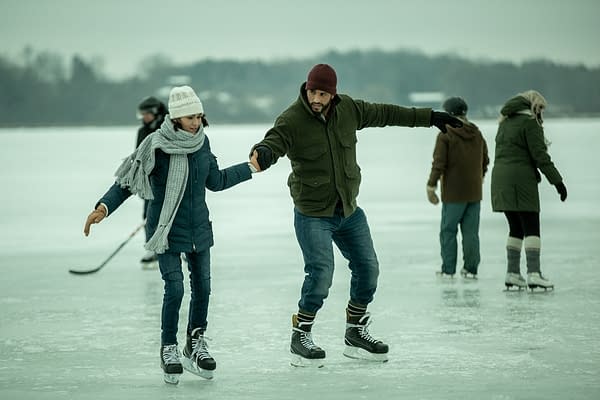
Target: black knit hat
[152,105]
[455,106]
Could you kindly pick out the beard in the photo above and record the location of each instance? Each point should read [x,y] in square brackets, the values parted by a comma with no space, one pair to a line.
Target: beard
[321,108]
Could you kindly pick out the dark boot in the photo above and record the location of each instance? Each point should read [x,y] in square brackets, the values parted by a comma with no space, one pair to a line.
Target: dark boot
[359,343]
[304,351]
[170,363]
[197,359]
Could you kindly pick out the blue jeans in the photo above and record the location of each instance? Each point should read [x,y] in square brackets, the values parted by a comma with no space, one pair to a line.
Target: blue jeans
[467,215]
[172,275]
[352,236]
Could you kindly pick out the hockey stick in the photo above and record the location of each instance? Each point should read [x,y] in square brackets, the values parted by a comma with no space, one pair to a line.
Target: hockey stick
[91,271]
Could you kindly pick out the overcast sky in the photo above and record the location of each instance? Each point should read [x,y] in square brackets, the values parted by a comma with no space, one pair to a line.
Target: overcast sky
[123,32]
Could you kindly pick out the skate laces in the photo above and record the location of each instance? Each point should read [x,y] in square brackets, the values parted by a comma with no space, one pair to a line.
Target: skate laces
[170,354]
[306,340]
[363,329]
[200,348]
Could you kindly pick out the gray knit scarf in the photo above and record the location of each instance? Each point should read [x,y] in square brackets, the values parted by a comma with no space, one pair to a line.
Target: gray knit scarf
[135,169]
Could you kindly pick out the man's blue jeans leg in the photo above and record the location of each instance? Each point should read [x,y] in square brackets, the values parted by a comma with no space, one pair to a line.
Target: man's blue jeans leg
[353,238]
[315,236]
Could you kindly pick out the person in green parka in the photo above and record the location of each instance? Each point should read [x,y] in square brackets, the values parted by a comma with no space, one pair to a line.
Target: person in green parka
[521,154]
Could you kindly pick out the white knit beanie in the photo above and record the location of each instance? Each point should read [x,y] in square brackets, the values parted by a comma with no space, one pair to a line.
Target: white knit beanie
[184,101]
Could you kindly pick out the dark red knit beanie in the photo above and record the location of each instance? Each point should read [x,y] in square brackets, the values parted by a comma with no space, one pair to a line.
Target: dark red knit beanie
[322,77]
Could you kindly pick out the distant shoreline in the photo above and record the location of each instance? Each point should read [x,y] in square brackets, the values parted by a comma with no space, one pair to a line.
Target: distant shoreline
[133,127]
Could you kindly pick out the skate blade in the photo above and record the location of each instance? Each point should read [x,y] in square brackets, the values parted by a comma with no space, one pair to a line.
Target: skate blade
[299,361]
[510,286]
[189,366]
[546,288]
[171,379]
[361,354]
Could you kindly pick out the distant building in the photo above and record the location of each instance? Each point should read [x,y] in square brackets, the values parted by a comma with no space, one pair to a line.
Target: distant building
[426,99]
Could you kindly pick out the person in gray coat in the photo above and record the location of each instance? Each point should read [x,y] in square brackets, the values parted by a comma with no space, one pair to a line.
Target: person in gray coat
[521,153]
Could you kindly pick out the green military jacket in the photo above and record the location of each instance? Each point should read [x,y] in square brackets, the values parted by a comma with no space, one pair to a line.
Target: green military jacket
[521,151]
[323,151]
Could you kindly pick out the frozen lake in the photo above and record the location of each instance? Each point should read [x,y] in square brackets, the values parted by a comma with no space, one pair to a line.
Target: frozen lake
[97,336]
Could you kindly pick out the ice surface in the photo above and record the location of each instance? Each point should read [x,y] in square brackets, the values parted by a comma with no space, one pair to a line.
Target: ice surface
[97,336]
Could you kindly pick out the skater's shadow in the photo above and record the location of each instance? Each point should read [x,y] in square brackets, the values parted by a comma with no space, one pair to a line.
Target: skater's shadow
[460,312]
[455,297]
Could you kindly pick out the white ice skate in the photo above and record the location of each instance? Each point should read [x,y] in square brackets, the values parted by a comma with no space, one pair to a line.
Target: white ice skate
[513,279]
[536,280]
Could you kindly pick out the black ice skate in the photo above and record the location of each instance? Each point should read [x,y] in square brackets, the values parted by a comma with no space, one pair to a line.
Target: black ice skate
[170,363]
[360,344]
[305,353]
[196,358]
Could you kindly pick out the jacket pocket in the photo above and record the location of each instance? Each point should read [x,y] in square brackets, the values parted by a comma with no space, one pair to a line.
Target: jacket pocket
[309,189]
[348,146]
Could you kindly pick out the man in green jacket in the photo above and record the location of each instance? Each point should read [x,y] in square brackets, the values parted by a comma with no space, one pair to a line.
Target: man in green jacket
[318,135]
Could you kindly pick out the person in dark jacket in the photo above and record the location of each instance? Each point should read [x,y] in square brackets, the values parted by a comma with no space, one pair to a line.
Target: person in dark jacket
[172,168]
[318,135]
[460,161]
[152,113]
[521,153]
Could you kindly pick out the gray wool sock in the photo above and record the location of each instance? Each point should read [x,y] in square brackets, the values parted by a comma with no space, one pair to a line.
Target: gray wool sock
[513,255]
[532,253]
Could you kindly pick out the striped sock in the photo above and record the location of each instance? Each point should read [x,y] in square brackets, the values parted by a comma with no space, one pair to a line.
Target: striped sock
[513,255]
[532,246]
[303,320]
[354,312]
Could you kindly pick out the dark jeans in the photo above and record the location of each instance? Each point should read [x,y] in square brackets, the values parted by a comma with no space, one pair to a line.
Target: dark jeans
[352,236]
[523,223]
[467,216]
[172,275]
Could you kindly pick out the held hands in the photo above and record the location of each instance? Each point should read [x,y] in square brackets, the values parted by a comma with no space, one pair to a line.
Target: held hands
[94,218]
[441,119]
[263,157]
[562,190]
[431,196]
[254,161]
